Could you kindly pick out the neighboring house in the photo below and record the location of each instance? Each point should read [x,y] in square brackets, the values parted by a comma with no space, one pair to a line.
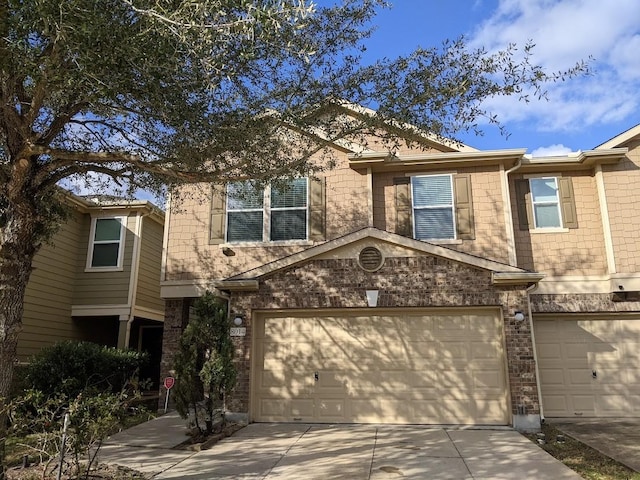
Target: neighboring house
[446,286]
[99,280]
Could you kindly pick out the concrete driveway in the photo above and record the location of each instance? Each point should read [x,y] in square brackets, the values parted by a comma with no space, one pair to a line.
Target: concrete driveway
[368,452]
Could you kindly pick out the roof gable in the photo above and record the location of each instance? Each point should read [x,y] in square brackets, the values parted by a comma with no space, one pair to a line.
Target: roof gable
[623,138]
[501,273]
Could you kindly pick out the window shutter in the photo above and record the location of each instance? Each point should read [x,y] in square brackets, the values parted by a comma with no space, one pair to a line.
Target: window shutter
[523,201]
[464,207]
[217,224]
[567,202]
[317,227]
[404,226]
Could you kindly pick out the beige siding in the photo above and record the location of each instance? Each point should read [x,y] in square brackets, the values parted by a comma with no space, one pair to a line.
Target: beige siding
[103,288]
[49,294]
[577,251]
[623,201]
[490,232]
[191,256]
[148,291]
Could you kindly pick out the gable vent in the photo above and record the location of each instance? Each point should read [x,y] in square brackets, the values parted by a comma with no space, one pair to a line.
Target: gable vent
[370,259]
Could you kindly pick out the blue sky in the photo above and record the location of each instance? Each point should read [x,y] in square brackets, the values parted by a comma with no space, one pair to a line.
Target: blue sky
[581,113]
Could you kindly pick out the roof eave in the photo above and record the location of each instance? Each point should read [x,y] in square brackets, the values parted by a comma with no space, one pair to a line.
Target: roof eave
[515,278]
[581,160]
[388,161]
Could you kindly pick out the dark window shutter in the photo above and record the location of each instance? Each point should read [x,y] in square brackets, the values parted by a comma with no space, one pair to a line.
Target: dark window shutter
[523,201]
[217,224]
[317,215]
[464,207]
[403,206]
[567,202]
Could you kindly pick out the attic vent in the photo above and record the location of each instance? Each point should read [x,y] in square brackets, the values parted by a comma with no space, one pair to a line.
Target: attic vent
[370,259]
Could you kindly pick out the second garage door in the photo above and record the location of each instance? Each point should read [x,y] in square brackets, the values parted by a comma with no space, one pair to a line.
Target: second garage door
[411,367]
[589,368]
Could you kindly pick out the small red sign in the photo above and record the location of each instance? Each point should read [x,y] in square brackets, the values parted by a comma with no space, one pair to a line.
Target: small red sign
[169,382]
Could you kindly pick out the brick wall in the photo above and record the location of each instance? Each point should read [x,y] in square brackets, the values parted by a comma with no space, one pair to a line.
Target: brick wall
[176,316]
[580,303]
[403,282]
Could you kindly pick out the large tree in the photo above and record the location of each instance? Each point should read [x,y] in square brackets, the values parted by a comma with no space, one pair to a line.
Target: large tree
[149,93]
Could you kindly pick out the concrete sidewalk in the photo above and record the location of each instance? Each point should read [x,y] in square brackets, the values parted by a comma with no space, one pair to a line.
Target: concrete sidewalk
[148,447]
[367,452]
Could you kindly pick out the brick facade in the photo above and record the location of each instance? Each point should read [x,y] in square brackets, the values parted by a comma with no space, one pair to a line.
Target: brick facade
[425,281]
[580,303]
[176,316]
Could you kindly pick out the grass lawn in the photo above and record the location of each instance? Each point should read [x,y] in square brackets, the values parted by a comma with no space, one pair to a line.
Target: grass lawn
[586,461]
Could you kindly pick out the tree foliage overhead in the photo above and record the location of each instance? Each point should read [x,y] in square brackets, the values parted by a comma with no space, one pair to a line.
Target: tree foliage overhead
[155,91]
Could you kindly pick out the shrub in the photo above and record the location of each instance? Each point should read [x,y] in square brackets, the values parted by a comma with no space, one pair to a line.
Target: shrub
[204,363]
[72,367]
[40,418]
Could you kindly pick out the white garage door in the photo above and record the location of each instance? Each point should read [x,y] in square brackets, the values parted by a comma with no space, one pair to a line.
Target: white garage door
[589,368]
[444,368]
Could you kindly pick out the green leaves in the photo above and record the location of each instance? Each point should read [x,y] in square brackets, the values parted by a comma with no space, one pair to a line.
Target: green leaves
[204,363]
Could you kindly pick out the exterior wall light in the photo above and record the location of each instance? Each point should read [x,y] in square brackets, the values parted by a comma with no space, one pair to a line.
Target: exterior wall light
[372,298]
[518,316]
[237,321]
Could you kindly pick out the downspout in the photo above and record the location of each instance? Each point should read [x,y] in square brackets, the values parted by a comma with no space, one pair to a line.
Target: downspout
[513,260]
[508,217]
[530,290]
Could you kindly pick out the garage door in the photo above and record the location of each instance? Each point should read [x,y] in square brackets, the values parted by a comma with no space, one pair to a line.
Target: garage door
[396,368]
[589,368]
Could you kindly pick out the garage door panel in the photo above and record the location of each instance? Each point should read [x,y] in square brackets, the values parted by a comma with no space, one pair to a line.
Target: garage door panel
[548,351]
[408,368]
[552,376]
[606,346]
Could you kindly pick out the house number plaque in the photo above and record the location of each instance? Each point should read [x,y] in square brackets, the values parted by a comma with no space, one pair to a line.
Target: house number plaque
[238,331]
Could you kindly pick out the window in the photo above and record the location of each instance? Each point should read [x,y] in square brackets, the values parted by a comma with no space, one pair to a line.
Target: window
[275,213]
[105,246]
[546,202]
[433,207]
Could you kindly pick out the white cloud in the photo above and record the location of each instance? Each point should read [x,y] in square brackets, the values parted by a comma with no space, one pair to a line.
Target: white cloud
[564,32]
[551,151]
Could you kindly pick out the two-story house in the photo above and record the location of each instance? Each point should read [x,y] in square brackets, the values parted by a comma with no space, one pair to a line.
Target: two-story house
[438,286]
[99,280]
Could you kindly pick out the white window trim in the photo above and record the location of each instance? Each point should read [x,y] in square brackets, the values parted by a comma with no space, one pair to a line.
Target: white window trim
[92,234]
[266,221]
[557,203]
[453,209]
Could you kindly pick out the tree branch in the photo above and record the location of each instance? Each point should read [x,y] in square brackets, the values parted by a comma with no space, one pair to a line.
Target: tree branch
[59,122]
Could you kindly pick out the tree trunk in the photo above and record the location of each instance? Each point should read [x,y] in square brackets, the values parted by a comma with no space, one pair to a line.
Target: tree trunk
[18,245]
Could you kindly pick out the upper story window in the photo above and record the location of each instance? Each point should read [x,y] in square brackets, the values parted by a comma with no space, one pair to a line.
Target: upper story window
[546,203]
[273,213]
[433,207]
[106,243]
